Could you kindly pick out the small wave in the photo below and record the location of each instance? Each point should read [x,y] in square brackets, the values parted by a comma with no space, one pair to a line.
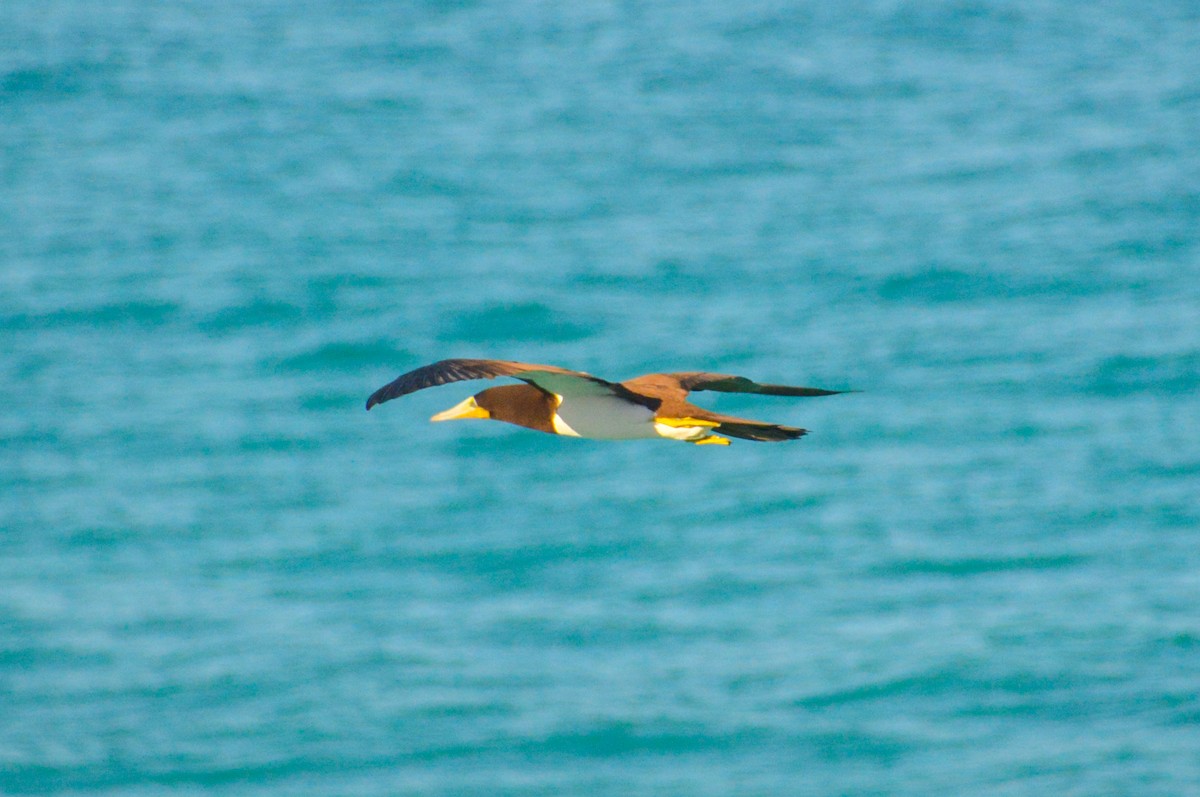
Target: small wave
[971,566]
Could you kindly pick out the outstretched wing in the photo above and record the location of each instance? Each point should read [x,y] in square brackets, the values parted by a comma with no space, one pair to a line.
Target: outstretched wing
[722,383]
[549,378]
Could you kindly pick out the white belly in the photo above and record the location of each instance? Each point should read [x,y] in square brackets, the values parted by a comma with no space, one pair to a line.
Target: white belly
[603,418]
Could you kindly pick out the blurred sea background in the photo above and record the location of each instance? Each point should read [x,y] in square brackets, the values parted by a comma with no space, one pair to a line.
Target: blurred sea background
[222,225]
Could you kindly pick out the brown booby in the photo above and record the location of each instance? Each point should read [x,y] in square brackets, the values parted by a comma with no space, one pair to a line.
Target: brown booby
[572,403]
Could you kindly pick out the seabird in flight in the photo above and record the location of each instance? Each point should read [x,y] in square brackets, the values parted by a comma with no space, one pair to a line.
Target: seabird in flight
[575,404]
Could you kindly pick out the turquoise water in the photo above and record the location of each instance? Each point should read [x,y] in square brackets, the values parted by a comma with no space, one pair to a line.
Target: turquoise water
[223,225]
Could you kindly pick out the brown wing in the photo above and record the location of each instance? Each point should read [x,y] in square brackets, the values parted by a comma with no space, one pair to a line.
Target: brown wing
[549,378]
[674,388]
[723,383]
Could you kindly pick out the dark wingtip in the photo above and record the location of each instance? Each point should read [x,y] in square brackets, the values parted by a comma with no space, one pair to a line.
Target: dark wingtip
[805,392]
[375,398]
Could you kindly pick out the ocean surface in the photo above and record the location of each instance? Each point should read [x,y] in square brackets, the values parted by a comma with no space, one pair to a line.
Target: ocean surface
[222,225]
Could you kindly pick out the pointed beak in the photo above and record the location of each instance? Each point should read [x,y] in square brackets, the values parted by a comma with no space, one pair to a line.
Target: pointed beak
[464,409]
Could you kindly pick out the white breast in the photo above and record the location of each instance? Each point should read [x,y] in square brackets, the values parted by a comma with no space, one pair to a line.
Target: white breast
[603,417]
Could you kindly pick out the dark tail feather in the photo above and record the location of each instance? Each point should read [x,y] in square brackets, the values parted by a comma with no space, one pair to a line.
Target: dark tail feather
[762,432]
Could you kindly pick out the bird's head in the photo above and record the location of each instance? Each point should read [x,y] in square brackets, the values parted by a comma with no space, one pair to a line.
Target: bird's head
[523,405]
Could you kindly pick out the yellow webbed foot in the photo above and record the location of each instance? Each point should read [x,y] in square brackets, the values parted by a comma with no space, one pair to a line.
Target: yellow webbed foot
[685,421]
[712,440]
